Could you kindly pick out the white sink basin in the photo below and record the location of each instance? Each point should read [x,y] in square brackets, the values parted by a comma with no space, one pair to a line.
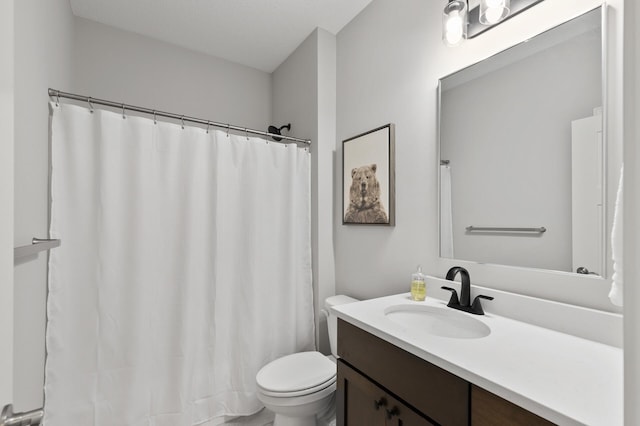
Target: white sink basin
[443,322]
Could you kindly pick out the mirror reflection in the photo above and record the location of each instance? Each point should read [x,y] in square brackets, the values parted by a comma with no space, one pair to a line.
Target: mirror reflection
[522,154]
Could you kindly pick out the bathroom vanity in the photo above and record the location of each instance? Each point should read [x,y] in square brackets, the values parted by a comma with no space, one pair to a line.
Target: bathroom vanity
[406,369]
[419,392]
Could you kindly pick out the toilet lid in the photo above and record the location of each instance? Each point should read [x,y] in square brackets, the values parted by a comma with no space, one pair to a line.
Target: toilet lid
[297,372]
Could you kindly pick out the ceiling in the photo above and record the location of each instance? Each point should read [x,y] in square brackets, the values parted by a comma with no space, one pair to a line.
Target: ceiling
[257,33]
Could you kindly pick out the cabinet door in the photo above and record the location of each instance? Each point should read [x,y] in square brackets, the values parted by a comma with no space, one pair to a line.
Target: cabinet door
[426,388]
[398,414]
[360,402]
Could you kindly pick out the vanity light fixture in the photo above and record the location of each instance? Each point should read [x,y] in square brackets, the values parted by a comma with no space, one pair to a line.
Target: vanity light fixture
[454,22]
[464,19]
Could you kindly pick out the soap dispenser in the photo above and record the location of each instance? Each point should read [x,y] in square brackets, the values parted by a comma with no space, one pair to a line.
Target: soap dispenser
[418,286]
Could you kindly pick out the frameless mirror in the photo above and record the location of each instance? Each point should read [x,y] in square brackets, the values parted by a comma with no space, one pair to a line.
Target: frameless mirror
[522,154]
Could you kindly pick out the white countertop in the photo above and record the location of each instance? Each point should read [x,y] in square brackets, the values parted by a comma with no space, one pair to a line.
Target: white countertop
[566,379]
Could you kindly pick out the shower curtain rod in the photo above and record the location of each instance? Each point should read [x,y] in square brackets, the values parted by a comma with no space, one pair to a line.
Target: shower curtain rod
[57,94]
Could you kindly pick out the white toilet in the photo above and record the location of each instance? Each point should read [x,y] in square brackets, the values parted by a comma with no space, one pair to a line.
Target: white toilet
[299,388]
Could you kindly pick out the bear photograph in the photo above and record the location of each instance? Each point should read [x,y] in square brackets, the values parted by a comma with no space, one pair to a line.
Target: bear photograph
[368,177]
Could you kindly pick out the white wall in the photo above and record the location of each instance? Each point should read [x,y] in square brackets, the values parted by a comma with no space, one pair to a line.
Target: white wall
[389,61]
[6,199]
[43,40]
[516,170]
[125,67]
[304,94]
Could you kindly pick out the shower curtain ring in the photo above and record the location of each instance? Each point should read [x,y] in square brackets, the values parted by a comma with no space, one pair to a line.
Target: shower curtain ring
[90,105]
[228,128]
[155,120]
[208,124]
[57,98]
[124,117]
[246,133]
[182,120]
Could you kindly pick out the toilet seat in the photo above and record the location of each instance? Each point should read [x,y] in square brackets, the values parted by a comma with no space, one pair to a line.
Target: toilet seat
[297,374]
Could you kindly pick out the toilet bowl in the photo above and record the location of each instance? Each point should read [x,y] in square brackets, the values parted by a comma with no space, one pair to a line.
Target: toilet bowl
[300,388]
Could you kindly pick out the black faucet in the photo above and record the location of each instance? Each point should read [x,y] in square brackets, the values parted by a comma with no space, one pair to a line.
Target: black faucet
[465,293]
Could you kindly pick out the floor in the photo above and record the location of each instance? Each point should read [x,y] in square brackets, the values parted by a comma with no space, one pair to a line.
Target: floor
[262,418]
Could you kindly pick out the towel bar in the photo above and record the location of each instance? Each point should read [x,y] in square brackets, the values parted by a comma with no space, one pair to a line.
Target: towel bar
[538,230]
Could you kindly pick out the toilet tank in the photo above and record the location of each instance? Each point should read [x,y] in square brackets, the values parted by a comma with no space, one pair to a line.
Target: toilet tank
[332,320]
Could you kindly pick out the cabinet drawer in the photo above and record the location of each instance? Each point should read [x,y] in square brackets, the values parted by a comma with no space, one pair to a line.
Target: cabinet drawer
[431,390]
[488,409]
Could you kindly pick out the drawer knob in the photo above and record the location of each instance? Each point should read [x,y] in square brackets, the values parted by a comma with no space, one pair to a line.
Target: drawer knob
[380,403]
[392,413]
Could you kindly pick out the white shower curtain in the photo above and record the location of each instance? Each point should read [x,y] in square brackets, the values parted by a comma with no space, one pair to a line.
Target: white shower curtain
[185,266]
[446,211]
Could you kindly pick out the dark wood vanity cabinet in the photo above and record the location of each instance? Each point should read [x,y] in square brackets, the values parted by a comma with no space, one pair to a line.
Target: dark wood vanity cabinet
[380,384]
[362,402]
[434,395]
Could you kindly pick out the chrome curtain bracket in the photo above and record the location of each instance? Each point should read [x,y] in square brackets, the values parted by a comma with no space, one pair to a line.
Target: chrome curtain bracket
[37,245]
[28,418]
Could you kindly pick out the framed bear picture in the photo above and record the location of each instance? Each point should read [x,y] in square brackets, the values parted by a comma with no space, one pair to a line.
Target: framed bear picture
[368,178]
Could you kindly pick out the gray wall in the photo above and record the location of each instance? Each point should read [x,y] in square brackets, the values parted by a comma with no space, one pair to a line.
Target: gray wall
[389,61]
[631,215]
[126,67]
[385,75]
[43,57]
[6,197]
[516,171]
[304,93]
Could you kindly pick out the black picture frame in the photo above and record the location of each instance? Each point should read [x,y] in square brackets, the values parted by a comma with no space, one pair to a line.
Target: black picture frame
[368,177]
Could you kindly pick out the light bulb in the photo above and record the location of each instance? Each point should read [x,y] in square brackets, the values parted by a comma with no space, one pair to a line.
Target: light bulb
[493,14]
[454,31]
[493,11]
[494,3]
